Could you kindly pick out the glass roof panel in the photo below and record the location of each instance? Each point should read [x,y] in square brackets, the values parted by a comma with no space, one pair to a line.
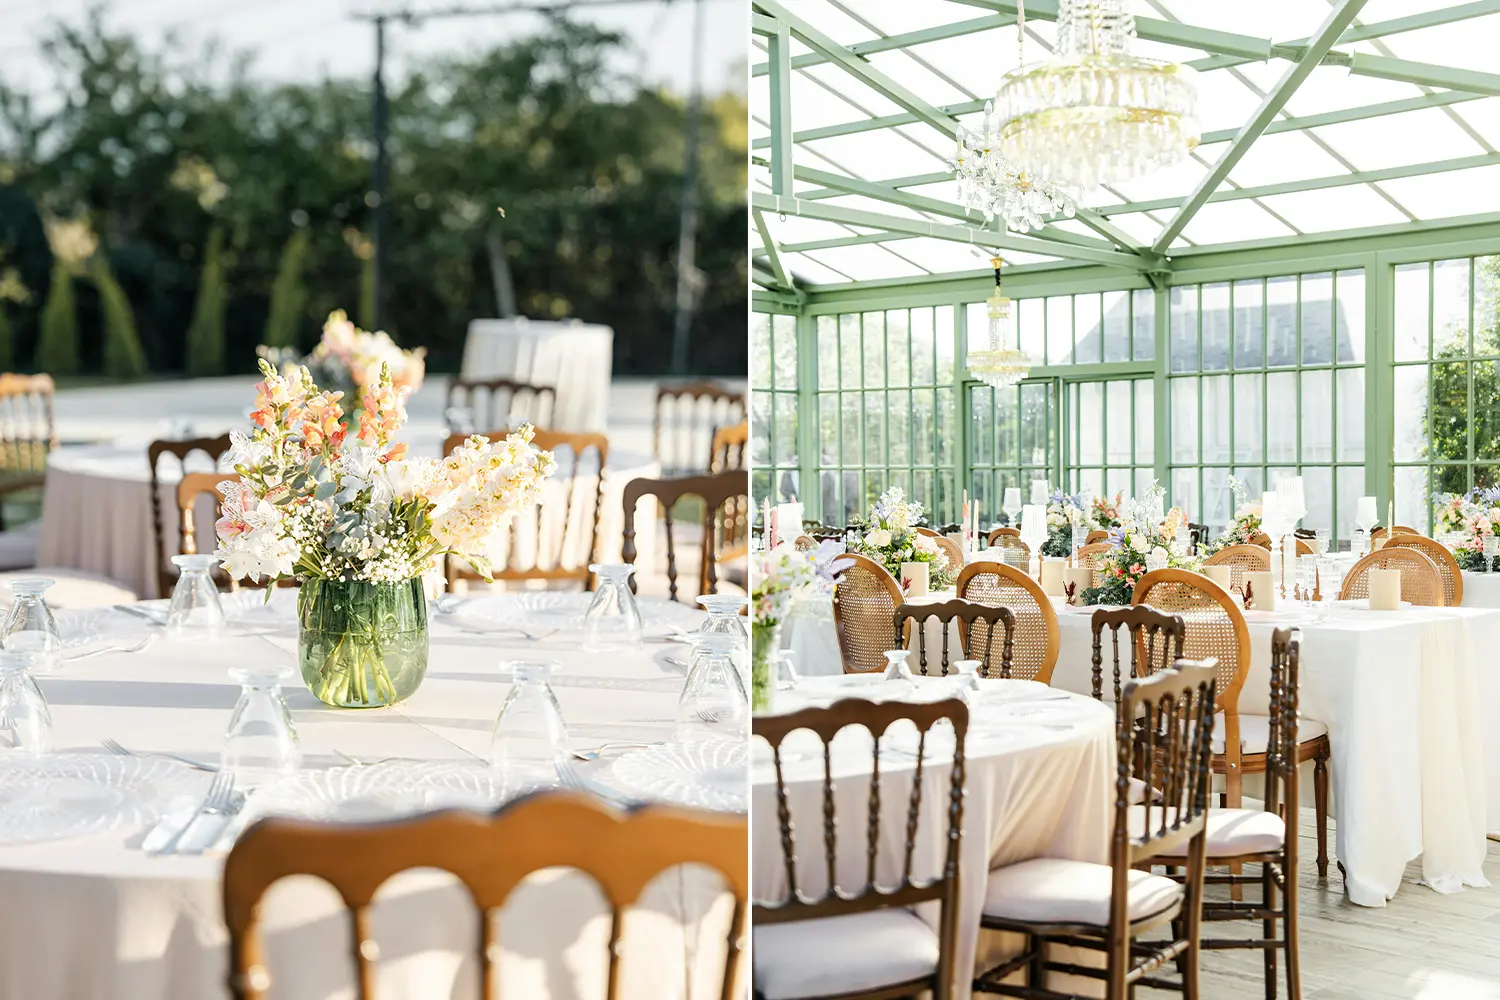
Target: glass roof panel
[945,256]
[1355,206]
[1483,116]
[978,60]
[1461,192]
[874,156]
[867,262]
[858,99]
[799,230]
[1233,222]
[905,70]
[1467,44]
[1334,88]
[892,17]
[1283,156]
[1396,140]
[1276,19]
[807,270]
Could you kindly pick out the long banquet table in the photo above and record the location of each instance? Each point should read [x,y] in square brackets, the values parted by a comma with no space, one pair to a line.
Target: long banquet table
[1413,770]
[94,918]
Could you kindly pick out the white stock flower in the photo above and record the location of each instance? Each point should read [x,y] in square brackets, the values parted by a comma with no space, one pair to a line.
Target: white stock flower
[878,539]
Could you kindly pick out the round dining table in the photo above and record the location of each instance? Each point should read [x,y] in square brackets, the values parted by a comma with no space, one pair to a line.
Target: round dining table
[96,511]
[94,917]
[1040,766]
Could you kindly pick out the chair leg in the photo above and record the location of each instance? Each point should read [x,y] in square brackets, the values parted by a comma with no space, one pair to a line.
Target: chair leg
[1293,963]
[1036,972]
[1268,900]
[1234,797]
[1320,802]
[1190,969]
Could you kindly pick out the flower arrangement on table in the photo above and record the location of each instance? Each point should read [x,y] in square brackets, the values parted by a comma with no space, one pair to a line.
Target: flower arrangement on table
[1104,513]
[1243,525]
[890,537]
[350,359]
[1060,508]
[1138,541]
[1474,515]
[360,525]
[779,578]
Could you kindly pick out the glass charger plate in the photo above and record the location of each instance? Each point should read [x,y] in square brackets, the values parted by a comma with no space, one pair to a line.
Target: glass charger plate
[564,611]
[78,795]
[388,790]
[712,774]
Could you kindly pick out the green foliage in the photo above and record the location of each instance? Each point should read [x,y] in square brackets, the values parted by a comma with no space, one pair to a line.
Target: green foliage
[1114,591]
[1472,561]
[7,340]
[57,343]
[123,357]
[205,338]
[367,294]
[288,294]
[1059,542]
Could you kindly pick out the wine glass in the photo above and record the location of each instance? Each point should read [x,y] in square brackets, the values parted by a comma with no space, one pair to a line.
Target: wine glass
[261,742]
[25,719]
[1012,504]
[1323,536]
[30,627]
[529,736]
[713,704]
[1491,548]
[195,598]
[613,620]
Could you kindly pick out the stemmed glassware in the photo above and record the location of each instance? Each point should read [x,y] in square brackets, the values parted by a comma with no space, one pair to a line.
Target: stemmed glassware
[1012,504]
[613,621]
[25,719]
[261,742]
[527,745]
[1491,549]
[195,598]
[713,704]
[1364,519]
[30,627]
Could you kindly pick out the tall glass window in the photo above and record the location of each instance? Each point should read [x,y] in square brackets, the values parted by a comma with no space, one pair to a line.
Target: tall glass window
[773,406]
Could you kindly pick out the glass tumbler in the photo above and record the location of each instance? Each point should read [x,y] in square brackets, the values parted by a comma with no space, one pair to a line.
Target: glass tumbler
[25,719]
[787,677]
[724,616]
[613,621]
[195,599]
[30,627]
[1491,549]
[713,704]
[529,736]
[261,742]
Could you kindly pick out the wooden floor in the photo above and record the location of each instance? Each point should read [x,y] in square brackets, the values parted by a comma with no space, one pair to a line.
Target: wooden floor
[1420,946]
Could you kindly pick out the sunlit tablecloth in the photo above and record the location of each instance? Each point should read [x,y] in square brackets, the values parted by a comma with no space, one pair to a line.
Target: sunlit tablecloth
[96,919]
[1482,590]
[575,358]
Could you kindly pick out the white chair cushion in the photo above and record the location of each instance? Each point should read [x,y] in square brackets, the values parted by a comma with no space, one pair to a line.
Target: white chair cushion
[1228,831]
[1255,732]
[836,955]
[1050,890]
[18,546]
[72,588]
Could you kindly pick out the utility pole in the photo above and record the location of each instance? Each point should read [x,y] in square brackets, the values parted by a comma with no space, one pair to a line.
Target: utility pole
[688,279]
[380,175]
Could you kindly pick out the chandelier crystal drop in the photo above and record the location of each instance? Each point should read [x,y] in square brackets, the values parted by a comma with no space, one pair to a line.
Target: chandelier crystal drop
[1095,114]
[990,184]
[999,364]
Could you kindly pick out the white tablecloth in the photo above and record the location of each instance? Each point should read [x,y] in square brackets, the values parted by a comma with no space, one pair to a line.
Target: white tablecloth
[96,919]
[1401,692]
[1482,590]
[574,358]
[96,512]
[1032,792]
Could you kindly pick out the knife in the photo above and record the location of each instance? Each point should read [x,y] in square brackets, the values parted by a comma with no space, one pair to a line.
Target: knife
[205,829]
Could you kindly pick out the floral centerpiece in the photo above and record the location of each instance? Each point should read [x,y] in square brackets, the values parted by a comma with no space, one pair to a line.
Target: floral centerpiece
[1060,514]
[1473,515]
[1104,513]
[1243,525]
[890,537]
[778,579]
[1136,543]
[350,359]
[360,525]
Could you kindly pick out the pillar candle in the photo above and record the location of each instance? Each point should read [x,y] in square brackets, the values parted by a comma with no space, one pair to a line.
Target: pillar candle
[1052,575]
[914,578]
[1081,578]
[1262,591]
[1385,589]
[1222,575]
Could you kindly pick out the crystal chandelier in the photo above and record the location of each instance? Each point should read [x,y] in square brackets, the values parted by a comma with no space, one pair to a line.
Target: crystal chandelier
[1095,114]
[999,364]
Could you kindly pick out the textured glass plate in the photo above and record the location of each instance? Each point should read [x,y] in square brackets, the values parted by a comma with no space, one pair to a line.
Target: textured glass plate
[382,791]
[78,795]
[713,774]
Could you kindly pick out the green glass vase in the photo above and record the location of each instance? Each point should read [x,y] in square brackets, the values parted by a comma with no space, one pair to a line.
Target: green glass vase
[764,645]
[360,644]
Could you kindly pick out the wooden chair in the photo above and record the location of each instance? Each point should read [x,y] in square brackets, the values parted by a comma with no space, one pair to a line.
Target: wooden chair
[28,433]
[822,532]
[1447,566]
[966,613]
[729,447]
[874,918]
[507,403]
[1155,643]
[552,560]
[214,448]
[491,854]
[1037,639]
[685,418]
[1421,581]
[1262,539]
[864,601]
[189,489]
[804,543]
[1162,738]
[1267,837]
[952,550]
[722,494]
[1089,555]
[1241,559]
[1009,538]
[1095,536]
[1199,534]
[1399,529]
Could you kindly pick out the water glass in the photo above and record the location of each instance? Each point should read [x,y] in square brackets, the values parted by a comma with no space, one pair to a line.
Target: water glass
[30,627]
[261,742]
[713,704]
[897,668]
[195,599]
[529,737]
[1323,536]
[25,719]
[968,676]
[787,676]
[1307,576]
[460,420]
[724,617]
[613,621]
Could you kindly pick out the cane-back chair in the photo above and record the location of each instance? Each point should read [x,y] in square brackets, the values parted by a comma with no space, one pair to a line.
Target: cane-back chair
[28,433]
[1241,559]
[1447,566]
[1095,536]
[1037,639]
[864,601]
[729,446]
[1421,581]
[1399,529]
[1008,539]
[1089,556]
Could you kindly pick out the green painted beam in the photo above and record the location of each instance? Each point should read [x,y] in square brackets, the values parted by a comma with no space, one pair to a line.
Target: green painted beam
[760,24]
[887,43]
[1270,106]
[1424,74]
[782,142]
[1150,28]
[782,280]
[915,180]
[873,124]
[845,241]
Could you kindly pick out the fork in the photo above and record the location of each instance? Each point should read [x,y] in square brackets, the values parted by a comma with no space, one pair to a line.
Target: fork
[115,748]
[148,640]
[220,795]
[503,629]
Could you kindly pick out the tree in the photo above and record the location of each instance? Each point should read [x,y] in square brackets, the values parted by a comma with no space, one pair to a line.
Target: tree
[123,357]
[57,343]
[205,339]
[288,294]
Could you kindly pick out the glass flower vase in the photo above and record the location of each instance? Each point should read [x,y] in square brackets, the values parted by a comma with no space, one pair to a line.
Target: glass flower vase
[764,645]
[361,644]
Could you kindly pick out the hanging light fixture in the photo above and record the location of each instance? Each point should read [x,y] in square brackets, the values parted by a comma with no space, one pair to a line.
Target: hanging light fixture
[1095,114]
[999,364]
[990,183]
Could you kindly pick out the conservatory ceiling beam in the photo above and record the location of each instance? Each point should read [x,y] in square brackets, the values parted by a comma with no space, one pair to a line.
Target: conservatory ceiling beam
[773,258]
[1152,29]
[782,141]
[833,243]
[1420,73]
[1270,107]
[887,43]
[915,180]
[945,231]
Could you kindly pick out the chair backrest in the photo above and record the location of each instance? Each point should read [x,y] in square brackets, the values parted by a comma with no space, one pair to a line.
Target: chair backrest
[491,854]
[726,514]
[864,599]
[992,649]
[952,550]
[879,890]
[214,448]
[189,489]
[1088,556]
[1037,638]
[1262,539]
[996,534]
[804,543]
[1399,529]
[501,404]
[1155,643]
[1447,566]
[1095,536]
[822,532]
[729,445]
[1198,534]
[1241,559]
[27,430]
[1215,627]
[684,422]
[1421,583]
[1281,746]
[1009,538]
[580,463]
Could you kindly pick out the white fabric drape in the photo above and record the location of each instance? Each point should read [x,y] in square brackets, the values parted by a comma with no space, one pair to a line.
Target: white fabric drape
[574,358]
